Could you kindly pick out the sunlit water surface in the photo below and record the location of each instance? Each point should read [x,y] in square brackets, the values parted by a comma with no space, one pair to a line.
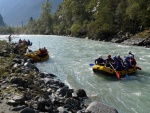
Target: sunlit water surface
[70,58]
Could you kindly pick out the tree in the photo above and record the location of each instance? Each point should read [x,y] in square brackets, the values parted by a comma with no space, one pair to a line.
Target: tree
[132,12]
[46,18]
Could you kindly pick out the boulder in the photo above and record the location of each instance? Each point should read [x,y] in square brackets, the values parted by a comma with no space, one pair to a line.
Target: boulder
[97,107]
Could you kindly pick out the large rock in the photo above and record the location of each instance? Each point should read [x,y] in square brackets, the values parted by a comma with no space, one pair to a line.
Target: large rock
[31,66]
[97,107]
[81,93]
[27,110]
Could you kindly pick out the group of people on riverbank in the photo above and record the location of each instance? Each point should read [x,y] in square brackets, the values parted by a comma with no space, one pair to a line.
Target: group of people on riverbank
[25,42]
[22,46]
[117,62]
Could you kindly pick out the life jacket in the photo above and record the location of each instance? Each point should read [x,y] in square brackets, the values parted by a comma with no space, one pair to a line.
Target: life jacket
[99,61]
[132,61]
[108,61]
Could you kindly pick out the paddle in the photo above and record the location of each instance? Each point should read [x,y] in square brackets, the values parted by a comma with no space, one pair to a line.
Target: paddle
[91,64]
[118,76]
[138,68]
[127,76]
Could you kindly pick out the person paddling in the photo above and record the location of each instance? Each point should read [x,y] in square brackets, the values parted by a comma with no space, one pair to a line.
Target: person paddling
[127,62]
[130,53]
[132,61]
[108,61]
[99,60]
[119,63]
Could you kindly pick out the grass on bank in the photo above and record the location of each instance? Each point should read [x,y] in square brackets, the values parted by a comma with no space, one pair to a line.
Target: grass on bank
[143,34]
[5,61]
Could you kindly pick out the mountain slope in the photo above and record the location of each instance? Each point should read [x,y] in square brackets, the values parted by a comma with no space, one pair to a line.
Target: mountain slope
[18,12]
[1,21]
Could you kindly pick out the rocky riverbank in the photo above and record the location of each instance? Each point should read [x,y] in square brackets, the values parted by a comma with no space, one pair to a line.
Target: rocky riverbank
[140,39]
[24,89]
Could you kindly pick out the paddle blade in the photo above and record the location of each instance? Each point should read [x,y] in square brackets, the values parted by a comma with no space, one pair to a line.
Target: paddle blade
[138,68]
[118,76]
[127,76]
[91,64]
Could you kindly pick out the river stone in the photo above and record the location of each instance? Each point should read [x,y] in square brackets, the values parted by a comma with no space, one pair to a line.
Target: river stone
[72,102]
[81,93]
[18,98]
[18,108]
[97,107]
[27,110]
[61,110]
[16,80]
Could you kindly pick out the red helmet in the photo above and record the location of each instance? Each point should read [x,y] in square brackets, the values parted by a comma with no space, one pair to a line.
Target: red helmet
[109,56]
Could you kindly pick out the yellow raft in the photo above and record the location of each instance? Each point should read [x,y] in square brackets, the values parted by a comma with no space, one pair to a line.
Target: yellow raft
[36,57]
[110,71]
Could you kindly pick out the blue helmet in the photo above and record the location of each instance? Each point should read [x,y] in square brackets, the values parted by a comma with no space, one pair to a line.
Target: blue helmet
[114,57]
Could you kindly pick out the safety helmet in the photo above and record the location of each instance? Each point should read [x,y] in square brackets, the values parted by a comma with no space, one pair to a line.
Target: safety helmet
[100,56]
[118,55]
[129,51]
[130,56]
[114,57]
[109,56]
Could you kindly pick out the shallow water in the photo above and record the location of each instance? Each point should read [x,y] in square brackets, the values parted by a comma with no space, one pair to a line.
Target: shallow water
[70,58]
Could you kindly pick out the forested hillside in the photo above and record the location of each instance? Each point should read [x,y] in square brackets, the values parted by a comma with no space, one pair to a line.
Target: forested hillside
[100,19]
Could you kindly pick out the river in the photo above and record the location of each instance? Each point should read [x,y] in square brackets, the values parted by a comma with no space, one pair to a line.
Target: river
[70,58]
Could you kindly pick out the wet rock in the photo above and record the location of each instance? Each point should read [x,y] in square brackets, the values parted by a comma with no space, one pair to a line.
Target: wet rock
[41,105]
[28,110]
[17,60]
[42,75]
[11,102]
[81,93]
[1,53]
[31,66]
[62,110]
[18,99]
[62,91]
[71,103]
[30,61]
[147,41]
[97,107]
[18,108]
[16,80]
[51,75]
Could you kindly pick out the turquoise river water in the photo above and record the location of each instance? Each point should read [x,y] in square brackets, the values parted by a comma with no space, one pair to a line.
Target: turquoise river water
[69,61]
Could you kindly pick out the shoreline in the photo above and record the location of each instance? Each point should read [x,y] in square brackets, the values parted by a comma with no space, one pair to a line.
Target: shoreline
[141,39]
[23,89]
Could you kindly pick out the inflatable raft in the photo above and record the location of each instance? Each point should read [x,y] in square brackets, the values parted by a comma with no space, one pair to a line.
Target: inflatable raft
[110,71]
[36,57]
